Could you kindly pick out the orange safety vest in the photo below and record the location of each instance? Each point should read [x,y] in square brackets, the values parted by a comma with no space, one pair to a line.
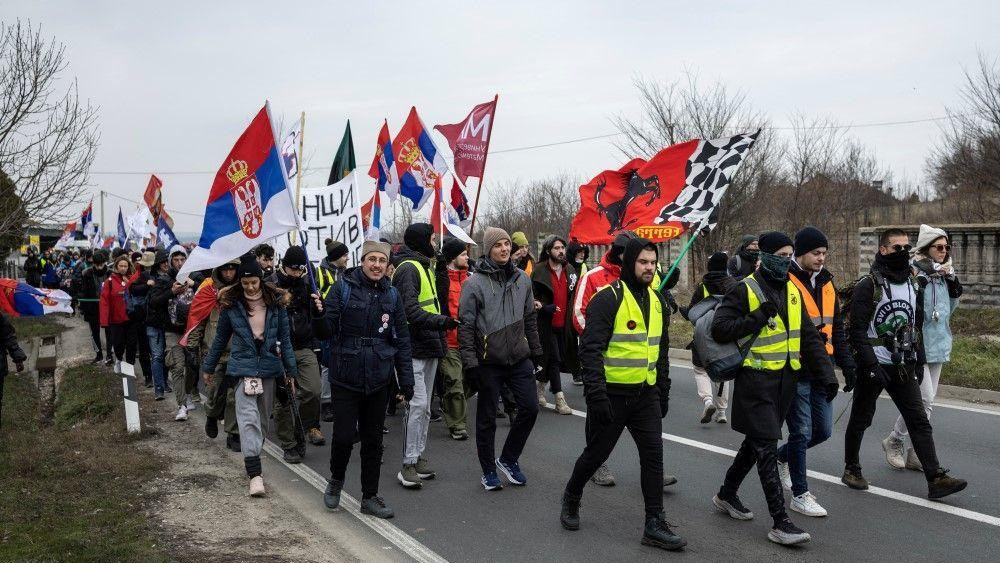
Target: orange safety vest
[822,320]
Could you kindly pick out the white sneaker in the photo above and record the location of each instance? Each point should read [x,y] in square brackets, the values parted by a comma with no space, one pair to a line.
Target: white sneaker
[895,456]
[182,414]
[708,412]
[189,405]
[806,504]
[257,487]
[720,416]
[785,475]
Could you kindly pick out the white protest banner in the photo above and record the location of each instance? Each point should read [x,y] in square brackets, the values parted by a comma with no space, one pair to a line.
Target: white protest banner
[332,211]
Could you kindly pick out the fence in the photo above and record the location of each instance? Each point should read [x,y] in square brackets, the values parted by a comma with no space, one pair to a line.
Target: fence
[975,251]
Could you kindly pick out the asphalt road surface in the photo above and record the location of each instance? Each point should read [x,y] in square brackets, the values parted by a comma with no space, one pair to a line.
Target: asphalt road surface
[455,518]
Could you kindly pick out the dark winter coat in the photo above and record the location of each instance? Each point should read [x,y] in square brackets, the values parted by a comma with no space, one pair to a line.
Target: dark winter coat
[427,330]
[541,287]
[306,324]
[271,358]
[8,346]
[841,350]
[140,288]
[33,270]
[761,398]
[89,289]
[369,334]
[157,301]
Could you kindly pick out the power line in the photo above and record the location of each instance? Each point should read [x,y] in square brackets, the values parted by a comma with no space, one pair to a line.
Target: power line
[569,141]
[199,215]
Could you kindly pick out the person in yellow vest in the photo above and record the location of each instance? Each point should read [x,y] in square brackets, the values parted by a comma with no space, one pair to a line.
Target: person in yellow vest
[624,353]
[810,419]
[766,312]
[415,280]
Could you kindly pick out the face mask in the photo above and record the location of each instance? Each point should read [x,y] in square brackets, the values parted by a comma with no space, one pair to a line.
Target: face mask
[775,267]
[898,260]
[750,255]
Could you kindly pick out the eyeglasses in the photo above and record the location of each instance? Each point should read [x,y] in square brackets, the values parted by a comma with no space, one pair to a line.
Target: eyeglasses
[941,247]
[899,247]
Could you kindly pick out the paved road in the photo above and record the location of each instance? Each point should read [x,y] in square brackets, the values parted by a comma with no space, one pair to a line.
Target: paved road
[455,518]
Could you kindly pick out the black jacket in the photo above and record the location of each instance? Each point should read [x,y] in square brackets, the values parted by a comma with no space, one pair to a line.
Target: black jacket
[841,350]
[361,357]
[157,301]
[761,398]
[9,345]
[306,324]
[427,330]
[91,281]
[33,270]
[541,287]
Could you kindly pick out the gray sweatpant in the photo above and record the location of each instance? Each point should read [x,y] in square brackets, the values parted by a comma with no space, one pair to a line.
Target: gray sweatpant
[417,417]
[253,414]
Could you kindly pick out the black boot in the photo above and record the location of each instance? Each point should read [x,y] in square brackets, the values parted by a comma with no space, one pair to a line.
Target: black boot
[854,479]
[658,534]
[331,497]
[211,427]
[942,485]
[326,412]
[376,507]
[233,442]
[570,514]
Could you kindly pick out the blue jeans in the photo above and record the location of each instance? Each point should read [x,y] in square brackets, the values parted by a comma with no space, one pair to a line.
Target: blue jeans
[157,349]
[810,422]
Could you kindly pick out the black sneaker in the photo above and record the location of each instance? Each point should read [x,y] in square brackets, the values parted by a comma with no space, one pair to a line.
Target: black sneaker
[733,507]
[375,506]
[331,496]
[291,456]
[657,533]
[436,416]
[326,412]
[577,379]
[459,435]
[786,533]
[98,359]
[233,442]
[854,479]
[149,383]
[110,361]
[942,485]
[211,427]
[569,516]
[500,414]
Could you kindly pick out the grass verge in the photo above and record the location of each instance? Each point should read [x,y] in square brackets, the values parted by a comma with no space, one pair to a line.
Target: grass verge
[30,327]
[72,491]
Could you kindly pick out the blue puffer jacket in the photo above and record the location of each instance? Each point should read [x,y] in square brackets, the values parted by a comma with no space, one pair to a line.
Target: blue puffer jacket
[941,294]
[245,359]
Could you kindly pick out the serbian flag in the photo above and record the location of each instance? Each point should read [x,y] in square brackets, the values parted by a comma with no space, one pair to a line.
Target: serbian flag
[460,204]
[418,161]
[249,202]
[445,218]
[675,191]
[383,168]
[205,299]
[108,243]
[469,140]
[87,220]
[164,234]
[19,299]
[371,217]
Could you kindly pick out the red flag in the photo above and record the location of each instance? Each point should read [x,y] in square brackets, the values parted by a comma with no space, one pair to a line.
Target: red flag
[205,300]
[436,216]
[470,139]
[154,201]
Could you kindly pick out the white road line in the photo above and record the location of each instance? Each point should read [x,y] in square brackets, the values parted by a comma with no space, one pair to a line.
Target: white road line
[407,543]
[916,501]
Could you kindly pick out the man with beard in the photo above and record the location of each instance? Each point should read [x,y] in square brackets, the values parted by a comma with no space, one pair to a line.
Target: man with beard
[265,258]
[550,284]
[625,353]
[885,325]
[306,323]
[743,263]
[414,278]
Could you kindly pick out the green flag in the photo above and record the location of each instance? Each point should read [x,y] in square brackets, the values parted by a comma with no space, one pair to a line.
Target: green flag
[343,162]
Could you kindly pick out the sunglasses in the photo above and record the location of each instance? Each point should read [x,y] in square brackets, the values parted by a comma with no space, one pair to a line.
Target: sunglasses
[941,247]
[898,247]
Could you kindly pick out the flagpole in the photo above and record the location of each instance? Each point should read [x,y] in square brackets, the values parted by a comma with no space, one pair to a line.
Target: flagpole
[102,214]
[687,246]
[298,172]
[479,188]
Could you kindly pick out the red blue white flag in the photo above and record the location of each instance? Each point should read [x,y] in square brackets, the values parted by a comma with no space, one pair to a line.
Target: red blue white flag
[419,163]
[383,168]
[19,299]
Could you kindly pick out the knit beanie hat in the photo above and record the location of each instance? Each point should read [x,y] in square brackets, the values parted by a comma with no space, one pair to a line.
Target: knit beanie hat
[518,239]
[335,250]
[249,268]
[452,248]
[928,235]
[294,257]
[717,262]
[494,235]
[771,241]
[376,246]
[808,239]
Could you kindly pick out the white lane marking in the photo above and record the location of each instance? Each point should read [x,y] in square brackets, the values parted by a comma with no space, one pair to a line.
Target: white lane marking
[407,543]
[879,491]
[949,405]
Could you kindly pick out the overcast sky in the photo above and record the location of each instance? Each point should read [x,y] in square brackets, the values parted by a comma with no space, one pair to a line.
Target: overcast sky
[176,82]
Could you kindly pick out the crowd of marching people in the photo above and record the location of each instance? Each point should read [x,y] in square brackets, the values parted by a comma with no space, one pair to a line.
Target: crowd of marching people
[423,327]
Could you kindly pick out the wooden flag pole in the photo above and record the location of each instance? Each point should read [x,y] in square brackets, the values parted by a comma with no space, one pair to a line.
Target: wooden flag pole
[298,172]
[479,188]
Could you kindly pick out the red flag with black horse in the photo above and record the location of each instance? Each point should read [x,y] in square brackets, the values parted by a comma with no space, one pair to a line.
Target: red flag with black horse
[675,191]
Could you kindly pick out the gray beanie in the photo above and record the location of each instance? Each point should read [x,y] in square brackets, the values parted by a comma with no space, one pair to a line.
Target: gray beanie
[375,246]
[492,236]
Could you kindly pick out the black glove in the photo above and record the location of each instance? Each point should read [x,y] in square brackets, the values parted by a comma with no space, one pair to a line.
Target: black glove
[671,303]
[600,410]
[850,379]
[769,308]
[549,309]
[470,377]
[450,323]
[919,372]
[831,391]
[406,391]
[664,404]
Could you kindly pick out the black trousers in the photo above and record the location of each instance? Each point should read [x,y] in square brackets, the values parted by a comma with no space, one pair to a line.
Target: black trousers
[519,380]
[95,335]
[365,414]
[123,341]
[764,453]
[639,413]
[145,354]
[555,352]
[905,393]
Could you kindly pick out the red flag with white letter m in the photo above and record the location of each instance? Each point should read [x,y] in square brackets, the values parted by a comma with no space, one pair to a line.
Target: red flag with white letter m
[469,140]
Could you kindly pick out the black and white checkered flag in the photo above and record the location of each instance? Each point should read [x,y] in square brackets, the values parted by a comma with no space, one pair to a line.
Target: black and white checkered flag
[707,175]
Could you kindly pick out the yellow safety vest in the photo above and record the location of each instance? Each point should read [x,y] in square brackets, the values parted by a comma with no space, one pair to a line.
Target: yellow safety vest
[324,279]
[774,347]
[427,299]
[633,350]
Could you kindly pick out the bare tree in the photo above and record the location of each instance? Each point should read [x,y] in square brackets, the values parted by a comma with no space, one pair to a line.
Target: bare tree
[48,137]
[545,206]
[966,166]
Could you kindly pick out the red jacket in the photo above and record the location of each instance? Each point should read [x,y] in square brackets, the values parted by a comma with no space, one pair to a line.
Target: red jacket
[112,303]
[594,279]
[457,279]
